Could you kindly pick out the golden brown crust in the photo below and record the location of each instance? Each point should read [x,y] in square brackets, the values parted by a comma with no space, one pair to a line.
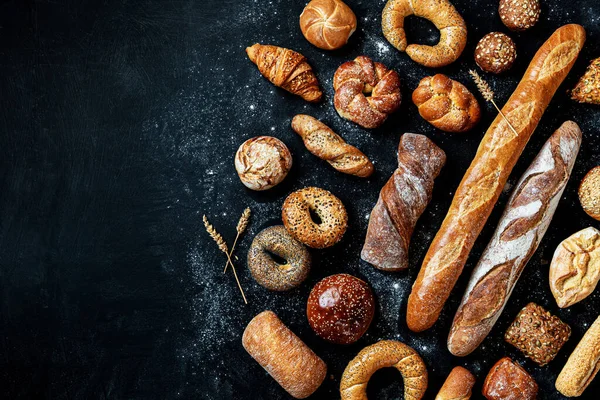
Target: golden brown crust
[286,69]
[283,355]
[575,267]
[452,27]
[589,193]
[583,364]
[458,385]
[386,353]
[446,104]
[483,182]
[262,162]
[324,143]
[298,221]
[507,380]
[327,24]
[354,79]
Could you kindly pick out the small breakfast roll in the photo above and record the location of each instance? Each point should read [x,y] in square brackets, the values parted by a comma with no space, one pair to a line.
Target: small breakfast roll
[458,385]
[507,380]
[583,364]
[284,355]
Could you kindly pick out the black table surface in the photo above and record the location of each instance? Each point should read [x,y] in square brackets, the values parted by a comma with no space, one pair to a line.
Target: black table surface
[119,121]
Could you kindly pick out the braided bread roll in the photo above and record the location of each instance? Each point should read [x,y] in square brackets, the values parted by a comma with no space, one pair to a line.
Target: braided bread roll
[401,202]
[324,143]
[286,69]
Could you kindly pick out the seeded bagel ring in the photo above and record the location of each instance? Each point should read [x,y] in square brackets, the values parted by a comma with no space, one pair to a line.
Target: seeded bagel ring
[269,273]
[299,223]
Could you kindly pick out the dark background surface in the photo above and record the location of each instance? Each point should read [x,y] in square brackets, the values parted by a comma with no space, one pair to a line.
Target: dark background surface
[119,121]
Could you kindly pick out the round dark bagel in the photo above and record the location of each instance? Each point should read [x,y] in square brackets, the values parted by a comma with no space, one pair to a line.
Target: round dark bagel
[269,273]
[299,223]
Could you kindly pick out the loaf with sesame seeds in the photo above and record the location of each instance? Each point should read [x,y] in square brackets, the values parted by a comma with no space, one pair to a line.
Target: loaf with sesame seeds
[324,143]
[401,202]
[286,69]
[488,173]
[587,89]
[589,193]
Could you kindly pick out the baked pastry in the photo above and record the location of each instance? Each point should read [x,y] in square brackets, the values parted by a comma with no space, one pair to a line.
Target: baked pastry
[587,89]
[324,143]
[401,202]
[583,364]
[453,30]
[485,179]
[495,53]
[507,380]
[286,69]
[589,193]
[299,222]
[537,333]
[283,355]
[268,272]
[262,162]
[446,104]
[458,385]
[340,308]
[327,24]
[353,80]
[575,267]
[519,232]
[386,353]
[519,15]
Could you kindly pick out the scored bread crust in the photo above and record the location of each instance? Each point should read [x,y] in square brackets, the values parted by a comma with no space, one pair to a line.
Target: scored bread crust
[485,179]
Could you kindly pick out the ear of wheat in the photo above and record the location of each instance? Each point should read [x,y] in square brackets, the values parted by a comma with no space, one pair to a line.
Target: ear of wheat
[241,227]
[216,236]
[488,95]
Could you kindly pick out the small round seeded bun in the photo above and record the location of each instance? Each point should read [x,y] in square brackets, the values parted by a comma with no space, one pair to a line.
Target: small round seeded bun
[519,15]
[495,53]
[589,193]
[329,209]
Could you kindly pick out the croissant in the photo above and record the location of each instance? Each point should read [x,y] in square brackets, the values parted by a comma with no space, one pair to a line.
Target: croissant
[324,143]
[286,69]
[401,202]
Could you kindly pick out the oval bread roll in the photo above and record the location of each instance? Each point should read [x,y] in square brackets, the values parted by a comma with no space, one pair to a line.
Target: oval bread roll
[458,385]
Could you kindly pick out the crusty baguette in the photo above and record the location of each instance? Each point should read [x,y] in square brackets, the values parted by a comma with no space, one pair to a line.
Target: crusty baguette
[458,385]
[283,355]
[583,364]
[483,182]
[519,233]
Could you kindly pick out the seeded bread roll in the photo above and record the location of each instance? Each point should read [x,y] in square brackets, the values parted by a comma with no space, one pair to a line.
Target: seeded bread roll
[589,193]
[583,364]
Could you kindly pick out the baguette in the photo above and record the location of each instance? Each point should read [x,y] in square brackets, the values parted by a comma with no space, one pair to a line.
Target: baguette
[583,364]
[483,182]
[519,232]
[458,385]
[283,355]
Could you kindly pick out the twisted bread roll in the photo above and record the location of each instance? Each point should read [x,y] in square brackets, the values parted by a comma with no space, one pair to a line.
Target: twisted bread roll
[446,104]
[483,182]
[327,24]
[354,79]
[287,69]
[324,143]
[453,30]
[401,202]
[520,231]
[386,353]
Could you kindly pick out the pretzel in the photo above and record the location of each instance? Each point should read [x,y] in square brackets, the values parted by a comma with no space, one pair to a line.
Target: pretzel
[452,27]
[355,80]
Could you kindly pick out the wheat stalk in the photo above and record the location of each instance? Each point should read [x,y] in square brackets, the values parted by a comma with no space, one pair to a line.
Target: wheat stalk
[241,227]
[488,95]
[216,236]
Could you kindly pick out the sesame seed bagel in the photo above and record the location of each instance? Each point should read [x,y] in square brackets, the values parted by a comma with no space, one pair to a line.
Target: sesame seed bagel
[269,273]
[386,353]
[299,223]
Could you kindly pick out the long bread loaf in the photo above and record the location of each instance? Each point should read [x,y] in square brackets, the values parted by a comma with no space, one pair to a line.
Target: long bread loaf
[519,232]
[483,182]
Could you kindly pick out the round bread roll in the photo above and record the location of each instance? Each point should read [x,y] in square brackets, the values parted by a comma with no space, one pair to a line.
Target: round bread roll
[328,208]
[327,24]
[262,162]
[589,193]
[340,308]
[268,272]
[495,52]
